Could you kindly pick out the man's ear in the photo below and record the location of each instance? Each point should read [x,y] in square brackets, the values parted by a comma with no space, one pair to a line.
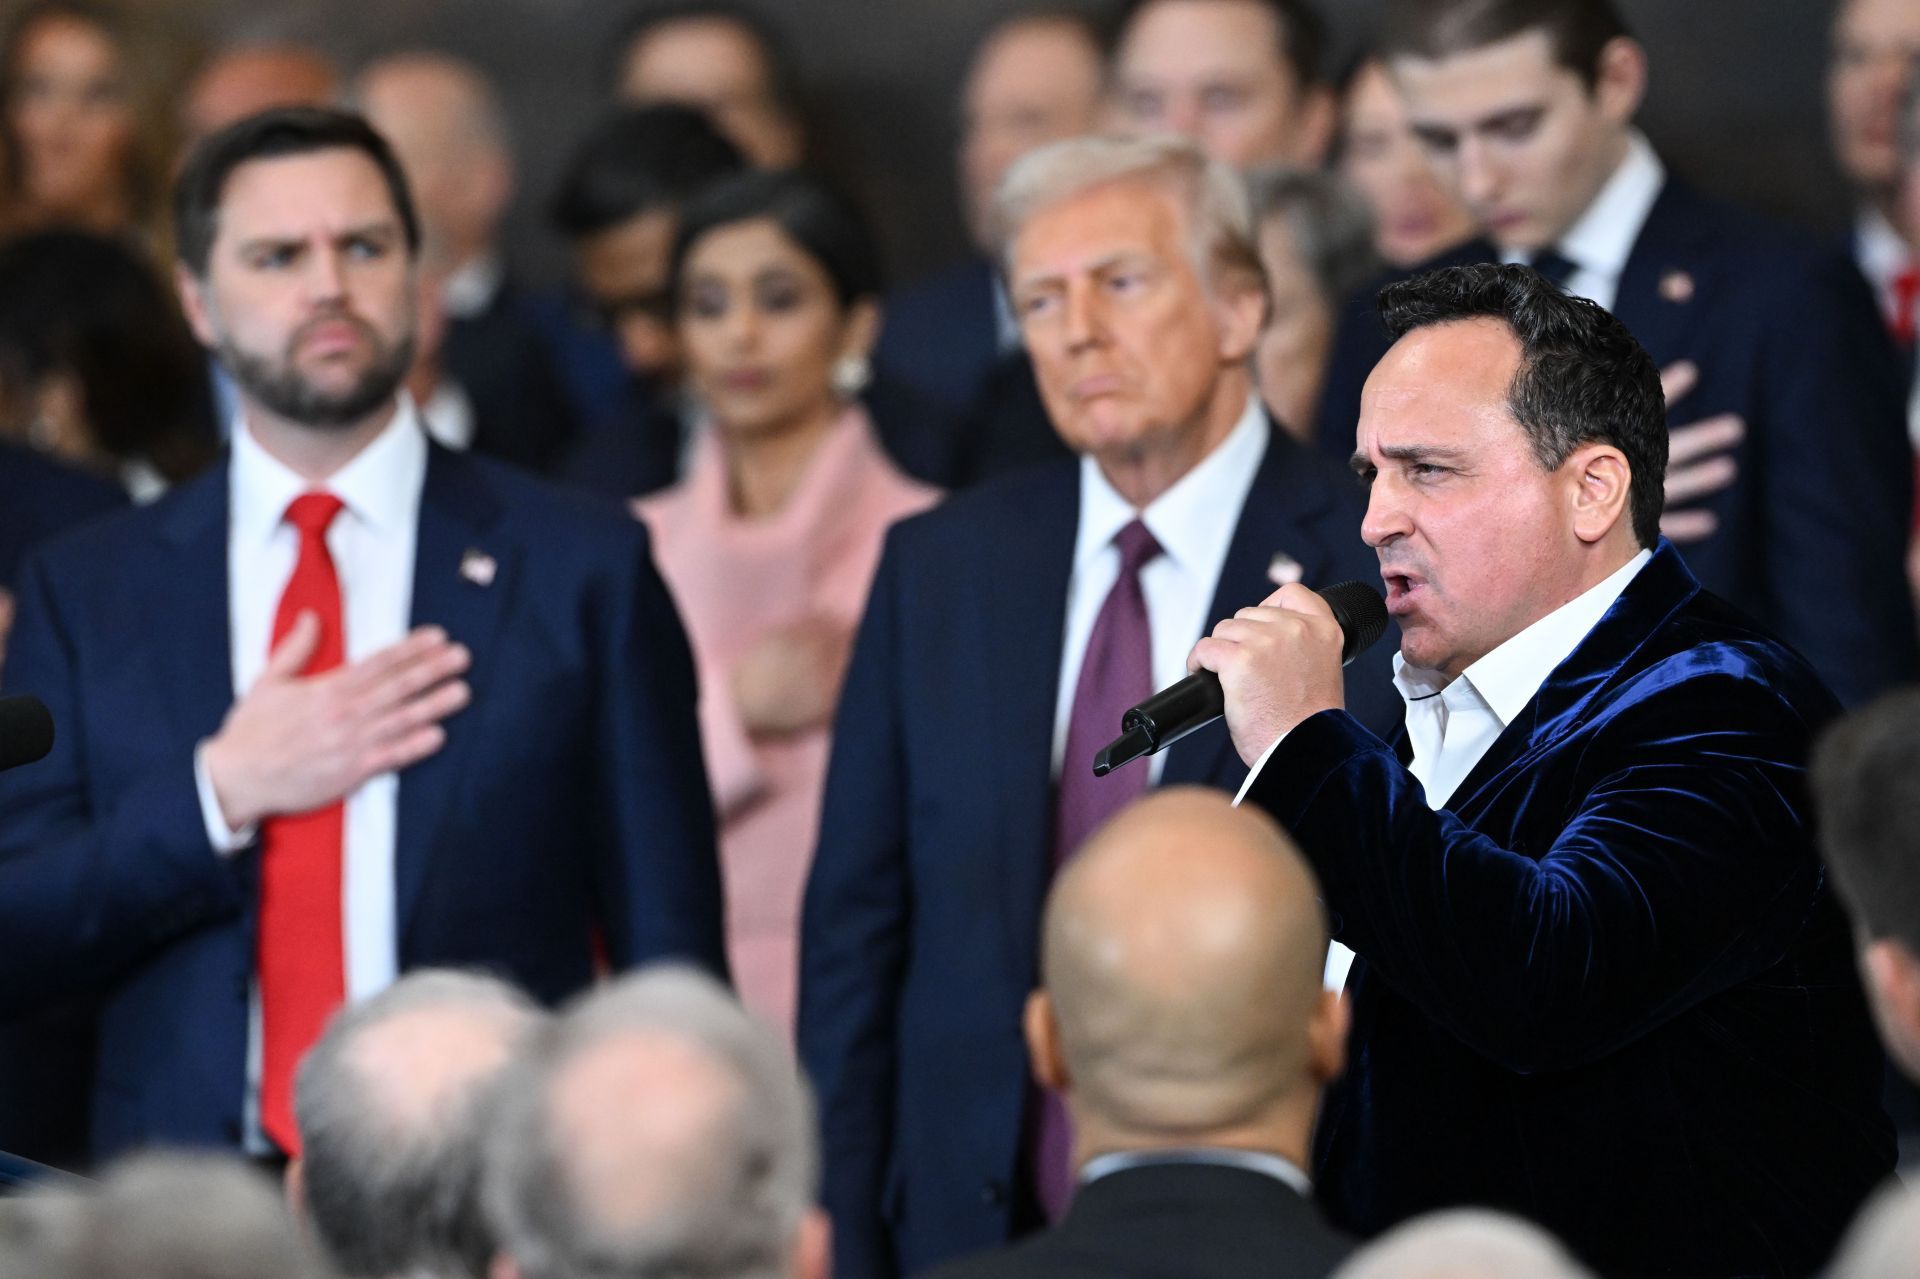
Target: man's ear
[1043,1043]
[1240,303]
[1327,1036]
[503,1267]
[1894,972]
[1620,79]
[1600,488]
[813,1247]
[1317,117]
[196,306]
[295,1189]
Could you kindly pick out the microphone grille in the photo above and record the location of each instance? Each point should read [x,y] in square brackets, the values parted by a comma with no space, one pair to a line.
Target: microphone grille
[1362,613]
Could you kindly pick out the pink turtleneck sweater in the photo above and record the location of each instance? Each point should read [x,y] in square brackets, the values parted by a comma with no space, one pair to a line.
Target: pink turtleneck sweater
[735,580]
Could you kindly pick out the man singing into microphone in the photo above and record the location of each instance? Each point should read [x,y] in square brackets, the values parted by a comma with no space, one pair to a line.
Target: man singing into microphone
[1600,980]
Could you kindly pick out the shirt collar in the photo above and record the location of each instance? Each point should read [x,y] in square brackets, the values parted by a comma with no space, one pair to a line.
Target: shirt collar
[1265,1162]
[1882,253]
[470,289]
[380,485]
[1603,237]
[1507,678]
[1186,519]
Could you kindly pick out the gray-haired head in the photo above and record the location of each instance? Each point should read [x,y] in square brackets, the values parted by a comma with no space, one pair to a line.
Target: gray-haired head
[1885,1238]
[1327,222]
[1219,218]
[654,1130]
[172,1216]
[1467,1243]
[392,1105]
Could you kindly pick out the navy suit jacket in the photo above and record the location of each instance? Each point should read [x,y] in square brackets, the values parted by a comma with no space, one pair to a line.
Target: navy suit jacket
[920,930]
[38,498]
[1812,534]
[1606,988]
[569,798]
[1174,1221]
[941,336]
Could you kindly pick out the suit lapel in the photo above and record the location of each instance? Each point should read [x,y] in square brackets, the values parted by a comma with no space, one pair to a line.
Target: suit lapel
[1663,585]
[1281,517]
[186,591]
[1657,297]
[464,573]
[1025,591]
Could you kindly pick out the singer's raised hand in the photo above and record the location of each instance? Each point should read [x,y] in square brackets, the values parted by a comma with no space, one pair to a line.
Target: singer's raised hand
[1278,663]
[296,742]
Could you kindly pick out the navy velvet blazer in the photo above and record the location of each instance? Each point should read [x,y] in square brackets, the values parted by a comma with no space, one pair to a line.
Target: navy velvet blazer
[1174,1221]
[921,923]
[1813,532]
[1607,988]
[569,798]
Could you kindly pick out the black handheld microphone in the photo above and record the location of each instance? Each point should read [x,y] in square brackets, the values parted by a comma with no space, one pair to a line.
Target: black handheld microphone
[26,730]
[1197,701]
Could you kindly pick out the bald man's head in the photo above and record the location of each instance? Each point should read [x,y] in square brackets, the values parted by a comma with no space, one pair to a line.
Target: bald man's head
[391,1106]
[1181,960]
[446,123]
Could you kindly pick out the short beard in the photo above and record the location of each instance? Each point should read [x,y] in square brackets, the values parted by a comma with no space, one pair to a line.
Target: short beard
[287,393]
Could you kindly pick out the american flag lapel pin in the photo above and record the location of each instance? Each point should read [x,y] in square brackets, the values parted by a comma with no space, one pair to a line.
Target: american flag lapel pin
[478,567]
[1283,569]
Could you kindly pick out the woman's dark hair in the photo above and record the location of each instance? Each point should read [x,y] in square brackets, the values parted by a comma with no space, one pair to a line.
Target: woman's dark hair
[91,308]
[637,160]
[829,227]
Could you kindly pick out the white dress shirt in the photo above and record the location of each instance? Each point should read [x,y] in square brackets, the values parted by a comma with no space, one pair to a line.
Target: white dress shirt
[1265,1162]
[1600,241]
[1194,522]
[1451,724]
[1881,255]
[372,543]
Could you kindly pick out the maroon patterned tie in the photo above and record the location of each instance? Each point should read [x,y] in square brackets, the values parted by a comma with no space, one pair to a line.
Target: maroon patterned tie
[1116,674]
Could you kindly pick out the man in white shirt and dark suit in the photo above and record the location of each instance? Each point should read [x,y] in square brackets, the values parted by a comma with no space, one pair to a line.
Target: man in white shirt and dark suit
[1005,635]
[1602,982]
[348,705]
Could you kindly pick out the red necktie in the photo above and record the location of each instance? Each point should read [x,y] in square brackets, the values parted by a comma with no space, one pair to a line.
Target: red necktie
[302,954]
[1906,292]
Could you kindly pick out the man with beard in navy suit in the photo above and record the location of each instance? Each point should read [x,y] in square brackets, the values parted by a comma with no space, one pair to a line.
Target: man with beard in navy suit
[348,705]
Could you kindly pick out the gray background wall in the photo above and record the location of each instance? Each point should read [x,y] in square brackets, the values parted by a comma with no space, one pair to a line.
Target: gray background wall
[1736,102]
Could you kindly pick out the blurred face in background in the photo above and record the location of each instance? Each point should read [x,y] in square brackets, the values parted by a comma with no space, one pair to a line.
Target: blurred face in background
[1413,215]
[716,66]
[72,120]
[1034,82]
[1291,360]
[1875,43]
[624,270]
[761,328]
[1524,142]
[1214,71]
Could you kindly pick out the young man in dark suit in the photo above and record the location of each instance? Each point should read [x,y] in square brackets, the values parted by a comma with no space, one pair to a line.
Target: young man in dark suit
[1005,635]
[1792,480]
[1182,1017]
[1602,981]
[349,705]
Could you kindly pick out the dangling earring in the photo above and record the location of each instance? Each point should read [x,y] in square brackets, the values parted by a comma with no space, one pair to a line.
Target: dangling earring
[851,373]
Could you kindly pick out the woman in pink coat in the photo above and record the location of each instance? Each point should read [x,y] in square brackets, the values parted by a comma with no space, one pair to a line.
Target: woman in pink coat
[770,542]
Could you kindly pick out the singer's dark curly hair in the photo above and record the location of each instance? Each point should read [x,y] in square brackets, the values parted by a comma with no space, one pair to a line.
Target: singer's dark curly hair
[1582,377]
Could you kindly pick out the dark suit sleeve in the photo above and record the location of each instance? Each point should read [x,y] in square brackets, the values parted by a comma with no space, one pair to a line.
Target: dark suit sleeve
[660,877]
[1838,477]
[87,892]
[1681,869]
[853,940]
